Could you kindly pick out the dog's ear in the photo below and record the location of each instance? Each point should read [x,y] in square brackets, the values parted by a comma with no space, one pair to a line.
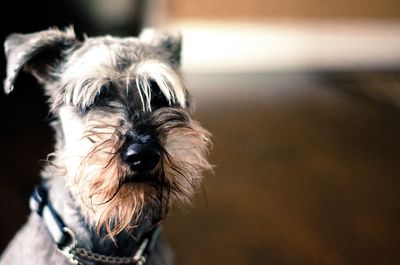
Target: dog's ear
[170,42]
[38,53]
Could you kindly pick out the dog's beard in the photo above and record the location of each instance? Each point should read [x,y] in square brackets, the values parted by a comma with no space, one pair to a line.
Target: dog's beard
[115,198]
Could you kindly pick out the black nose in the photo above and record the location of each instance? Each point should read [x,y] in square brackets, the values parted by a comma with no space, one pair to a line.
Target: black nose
[141,156]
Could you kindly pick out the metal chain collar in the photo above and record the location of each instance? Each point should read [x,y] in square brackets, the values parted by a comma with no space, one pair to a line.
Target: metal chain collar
[78,255]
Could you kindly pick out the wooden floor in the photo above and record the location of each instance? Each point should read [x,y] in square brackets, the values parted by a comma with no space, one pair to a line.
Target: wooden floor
[307,171]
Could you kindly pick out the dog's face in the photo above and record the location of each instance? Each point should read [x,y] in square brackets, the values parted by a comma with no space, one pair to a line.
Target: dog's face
[127,144]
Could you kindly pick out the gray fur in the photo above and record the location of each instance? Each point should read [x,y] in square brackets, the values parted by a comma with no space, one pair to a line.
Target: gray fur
[120,73]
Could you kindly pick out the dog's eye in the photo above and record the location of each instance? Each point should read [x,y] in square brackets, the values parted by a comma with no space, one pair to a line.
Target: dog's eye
[158,99]
[103,96]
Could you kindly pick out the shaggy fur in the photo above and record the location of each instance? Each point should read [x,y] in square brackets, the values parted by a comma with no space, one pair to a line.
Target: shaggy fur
[101,91]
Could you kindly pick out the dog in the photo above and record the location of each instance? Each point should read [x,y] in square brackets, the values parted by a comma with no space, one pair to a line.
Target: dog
[126,147]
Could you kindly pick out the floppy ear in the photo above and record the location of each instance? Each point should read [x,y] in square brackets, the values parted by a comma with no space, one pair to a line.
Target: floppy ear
[170,42]
[38,53]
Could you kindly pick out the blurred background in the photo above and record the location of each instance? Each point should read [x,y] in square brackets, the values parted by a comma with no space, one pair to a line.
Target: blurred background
[303,100]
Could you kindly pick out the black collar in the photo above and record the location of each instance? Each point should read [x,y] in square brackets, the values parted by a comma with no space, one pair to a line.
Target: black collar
[64,237]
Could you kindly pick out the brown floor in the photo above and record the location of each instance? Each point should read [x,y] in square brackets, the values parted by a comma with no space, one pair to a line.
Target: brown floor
[307,172]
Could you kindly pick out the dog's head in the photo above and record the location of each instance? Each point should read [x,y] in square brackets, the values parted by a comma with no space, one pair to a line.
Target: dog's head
[126,143]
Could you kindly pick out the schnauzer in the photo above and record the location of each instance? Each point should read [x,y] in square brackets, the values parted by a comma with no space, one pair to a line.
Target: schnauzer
[126,147]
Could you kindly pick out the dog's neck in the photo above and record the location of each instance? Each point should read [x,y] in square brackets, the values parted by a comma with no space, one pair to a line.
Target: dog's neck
[124,244]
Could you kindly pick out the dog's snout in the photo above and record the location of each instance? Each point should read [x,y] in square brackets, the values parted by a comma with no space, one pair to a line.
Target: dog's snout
[141,154]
